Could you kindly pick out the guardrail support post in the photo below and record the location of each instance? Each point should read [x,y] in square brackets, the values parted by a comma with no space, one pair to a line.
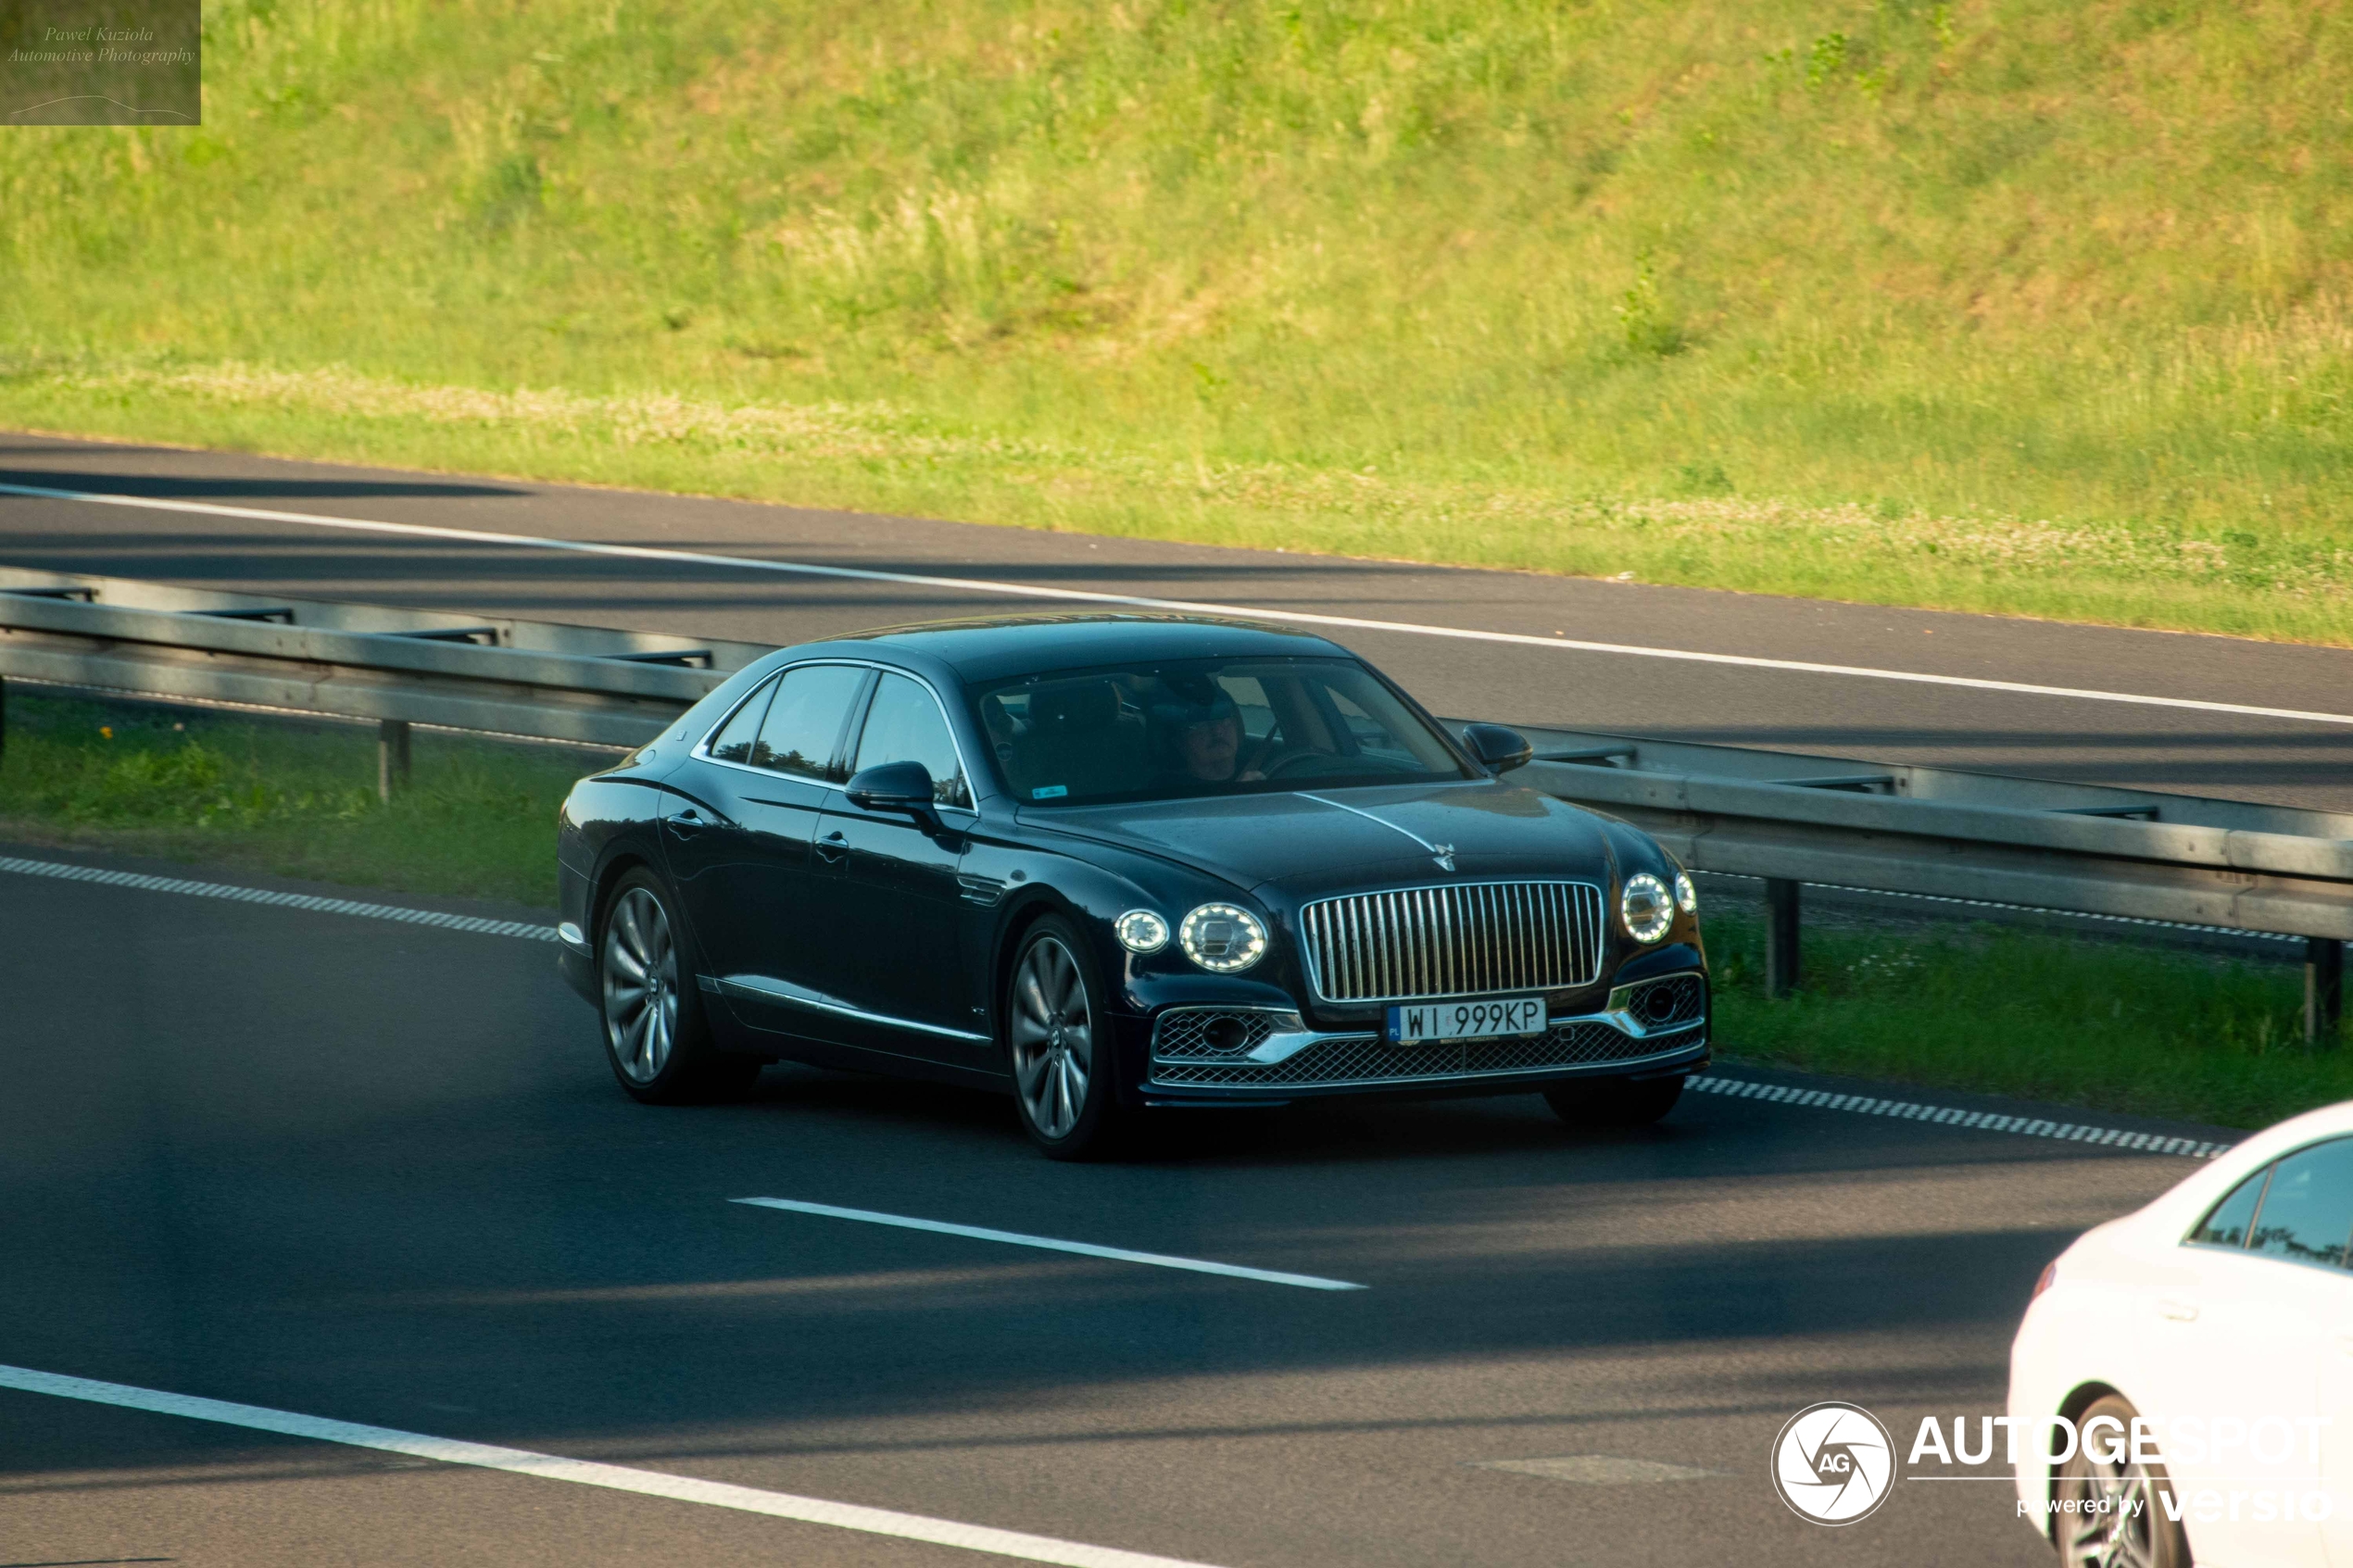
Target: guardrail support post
[392,758]
[2323,989]
[1781,936]
[4,718]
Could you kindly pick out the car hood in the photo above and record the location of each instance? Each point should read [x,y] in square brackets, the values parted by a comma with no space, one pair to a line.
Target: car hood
[1308,842]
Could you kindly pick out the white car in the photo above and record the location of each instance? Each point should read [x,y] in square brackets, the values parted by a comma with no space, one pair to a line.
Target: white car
[2215,1325]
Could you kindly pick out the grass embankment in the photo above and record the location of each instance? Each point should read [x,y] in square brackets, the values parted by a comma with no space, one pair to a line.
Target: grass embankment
[2030,306]
[478,819]
[2159,1033]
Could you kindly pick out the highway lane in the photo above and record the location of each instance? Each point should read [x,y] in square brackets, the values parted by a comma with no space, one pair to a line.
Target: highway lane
[2245,756]
[378,1173]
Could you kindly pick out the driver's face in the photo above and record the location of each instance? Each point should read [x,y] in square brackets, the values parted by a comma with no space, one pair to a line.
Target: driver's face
[1209,748]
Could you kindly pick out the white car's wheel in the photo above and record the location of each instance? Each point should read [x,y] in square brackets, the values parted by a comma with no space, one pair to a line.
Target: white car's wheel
[2121,1521]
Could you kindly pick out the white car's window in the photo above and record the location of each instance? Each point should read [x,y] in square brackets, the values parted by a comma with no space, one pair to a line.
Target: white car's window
[2307,1215]
[2226,1224]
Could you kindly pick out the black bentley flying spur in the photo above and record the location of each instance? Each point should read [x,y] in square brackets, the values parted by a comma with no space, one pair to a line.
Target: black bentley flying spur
[1117,861]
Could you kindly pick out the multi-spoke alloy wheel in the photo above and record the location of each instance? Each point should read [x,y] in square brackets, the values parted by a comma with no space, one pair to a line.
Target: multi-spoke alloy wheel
[1060,1056]
[641,985]
[656,1035]
[1053,1037]
[2116,1520]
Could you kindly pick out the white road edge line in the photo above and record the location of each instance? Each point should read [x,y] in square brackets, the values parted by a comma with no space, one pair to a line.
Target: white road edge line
[473,924]
[1082,595]
[588,1472]
[1953,1116]
[1084,1248]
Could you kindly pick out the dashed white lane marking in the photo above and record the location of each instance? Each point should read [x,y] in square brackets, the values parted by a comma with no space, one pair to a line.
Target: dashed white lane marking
[586,1472]
[1084,1248]
[473,924]
[1084,596]
[1953,1116]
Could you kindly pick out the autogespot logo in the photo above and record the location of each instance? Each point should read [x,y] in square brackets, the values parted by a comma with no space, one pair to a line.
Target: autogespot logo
[1834,1463]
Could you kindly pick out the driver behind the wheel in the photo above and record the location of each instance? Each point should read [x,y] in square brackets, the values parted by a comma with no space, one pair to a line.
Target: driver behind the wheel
[1204,732]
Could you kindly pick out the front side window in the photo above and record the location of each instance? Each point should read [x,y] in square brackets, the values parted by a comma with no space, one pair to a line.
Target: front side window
[801,732]
[904,724]
[1200,727]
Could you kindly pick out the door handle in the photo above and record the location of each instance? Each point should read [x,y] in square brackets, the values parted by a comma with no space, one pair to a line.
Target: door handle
[686,824]
[833,847]
[2174,1308]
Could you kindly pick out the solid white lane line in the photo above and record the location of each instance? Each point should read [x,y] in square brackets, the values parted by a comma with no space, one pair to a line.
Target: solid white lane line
[1084,1248]
[1953,1116]
[586,1472]
[1082,595]
[473,924]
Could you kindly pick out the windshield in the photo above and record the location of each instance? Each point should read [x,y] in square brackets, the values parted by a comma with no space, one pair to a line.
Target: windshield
[1205,726]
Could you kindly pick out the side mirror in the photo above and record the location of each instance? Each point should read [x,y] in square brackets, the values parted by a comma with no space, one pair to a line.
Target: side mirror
[1499,748]
[895,786]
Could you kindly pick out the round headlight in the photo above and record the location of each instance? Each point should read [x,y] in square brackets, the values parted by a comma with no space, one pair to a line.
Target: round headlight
[1140,931]
[1647,907]
[1223,938]
[1686,895]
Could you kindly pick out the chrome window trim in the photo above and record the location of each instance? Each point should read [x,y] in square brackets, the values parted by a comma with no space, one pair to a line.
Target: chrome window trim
[701,752]
[768,989]
[1517,941]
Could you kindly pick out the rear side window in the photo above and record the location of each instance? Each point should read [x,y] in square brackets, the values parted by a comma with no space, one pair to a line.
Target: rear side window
[2306,1215]
[802,732]
[2226,1224]
[734,742]
[904,725]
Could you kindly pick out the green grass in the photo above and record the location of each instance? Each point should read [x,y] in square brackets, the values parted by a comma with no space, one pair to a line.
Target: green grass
[2152,1031]
[2030,306]
[294,800]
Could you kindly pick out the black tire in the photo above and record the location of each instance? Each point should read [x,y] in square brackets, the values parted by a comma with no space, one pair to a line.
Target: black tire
[657,1040]
[2137,1535]
[1614,1102]
[1058,1045]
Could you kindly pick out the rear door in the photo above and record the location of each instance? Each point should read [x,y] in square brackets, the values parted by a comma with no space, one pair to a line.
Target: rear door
[738,838]
[894,907]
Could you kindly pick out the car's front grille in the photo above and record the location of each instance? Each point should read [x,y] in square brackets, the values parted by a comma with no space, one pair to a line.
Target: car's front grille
[1454,940]
[1365,1060]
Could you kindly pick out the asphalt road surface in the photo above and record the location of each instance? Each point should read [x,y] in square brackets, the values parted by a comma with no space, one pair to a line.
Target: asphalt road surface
[379,1173]
[2187,749]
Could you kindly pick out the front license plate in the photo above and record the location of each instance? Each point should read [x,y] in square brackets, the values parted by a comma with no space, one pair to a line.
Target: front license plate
[1412,1022]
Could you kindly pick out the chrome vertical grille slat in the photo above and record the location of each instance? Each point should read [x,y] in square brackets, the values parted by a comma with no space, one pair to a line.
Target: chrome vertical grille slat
[1459,940]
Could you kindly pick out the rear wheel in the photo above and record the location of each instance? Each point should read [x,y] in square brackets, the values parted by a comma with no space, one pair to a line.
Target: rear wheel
[1614,1102]
[2117,1520]
[657,1040]
[1060,1046]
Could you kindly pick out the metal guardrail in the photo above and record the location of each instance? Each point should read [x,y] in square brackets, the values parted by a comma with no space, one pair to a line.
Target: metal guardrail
[399,667]
[1787,818]
[1945,833]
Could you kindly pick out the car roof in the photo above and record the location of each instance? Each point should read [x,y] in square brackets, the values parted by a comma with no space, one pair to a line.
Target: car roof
[1000,647]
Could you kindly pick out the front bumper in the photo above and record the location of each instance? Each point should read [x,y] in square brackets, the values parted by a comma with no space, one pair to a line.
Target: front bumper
[1207,1054]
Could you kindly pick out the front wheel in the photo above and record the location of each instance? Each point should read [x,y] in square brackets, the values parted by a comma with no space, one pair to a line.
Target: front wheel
[1614,1102]
[657,1040]
[2118,1519]
[1060,1046]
